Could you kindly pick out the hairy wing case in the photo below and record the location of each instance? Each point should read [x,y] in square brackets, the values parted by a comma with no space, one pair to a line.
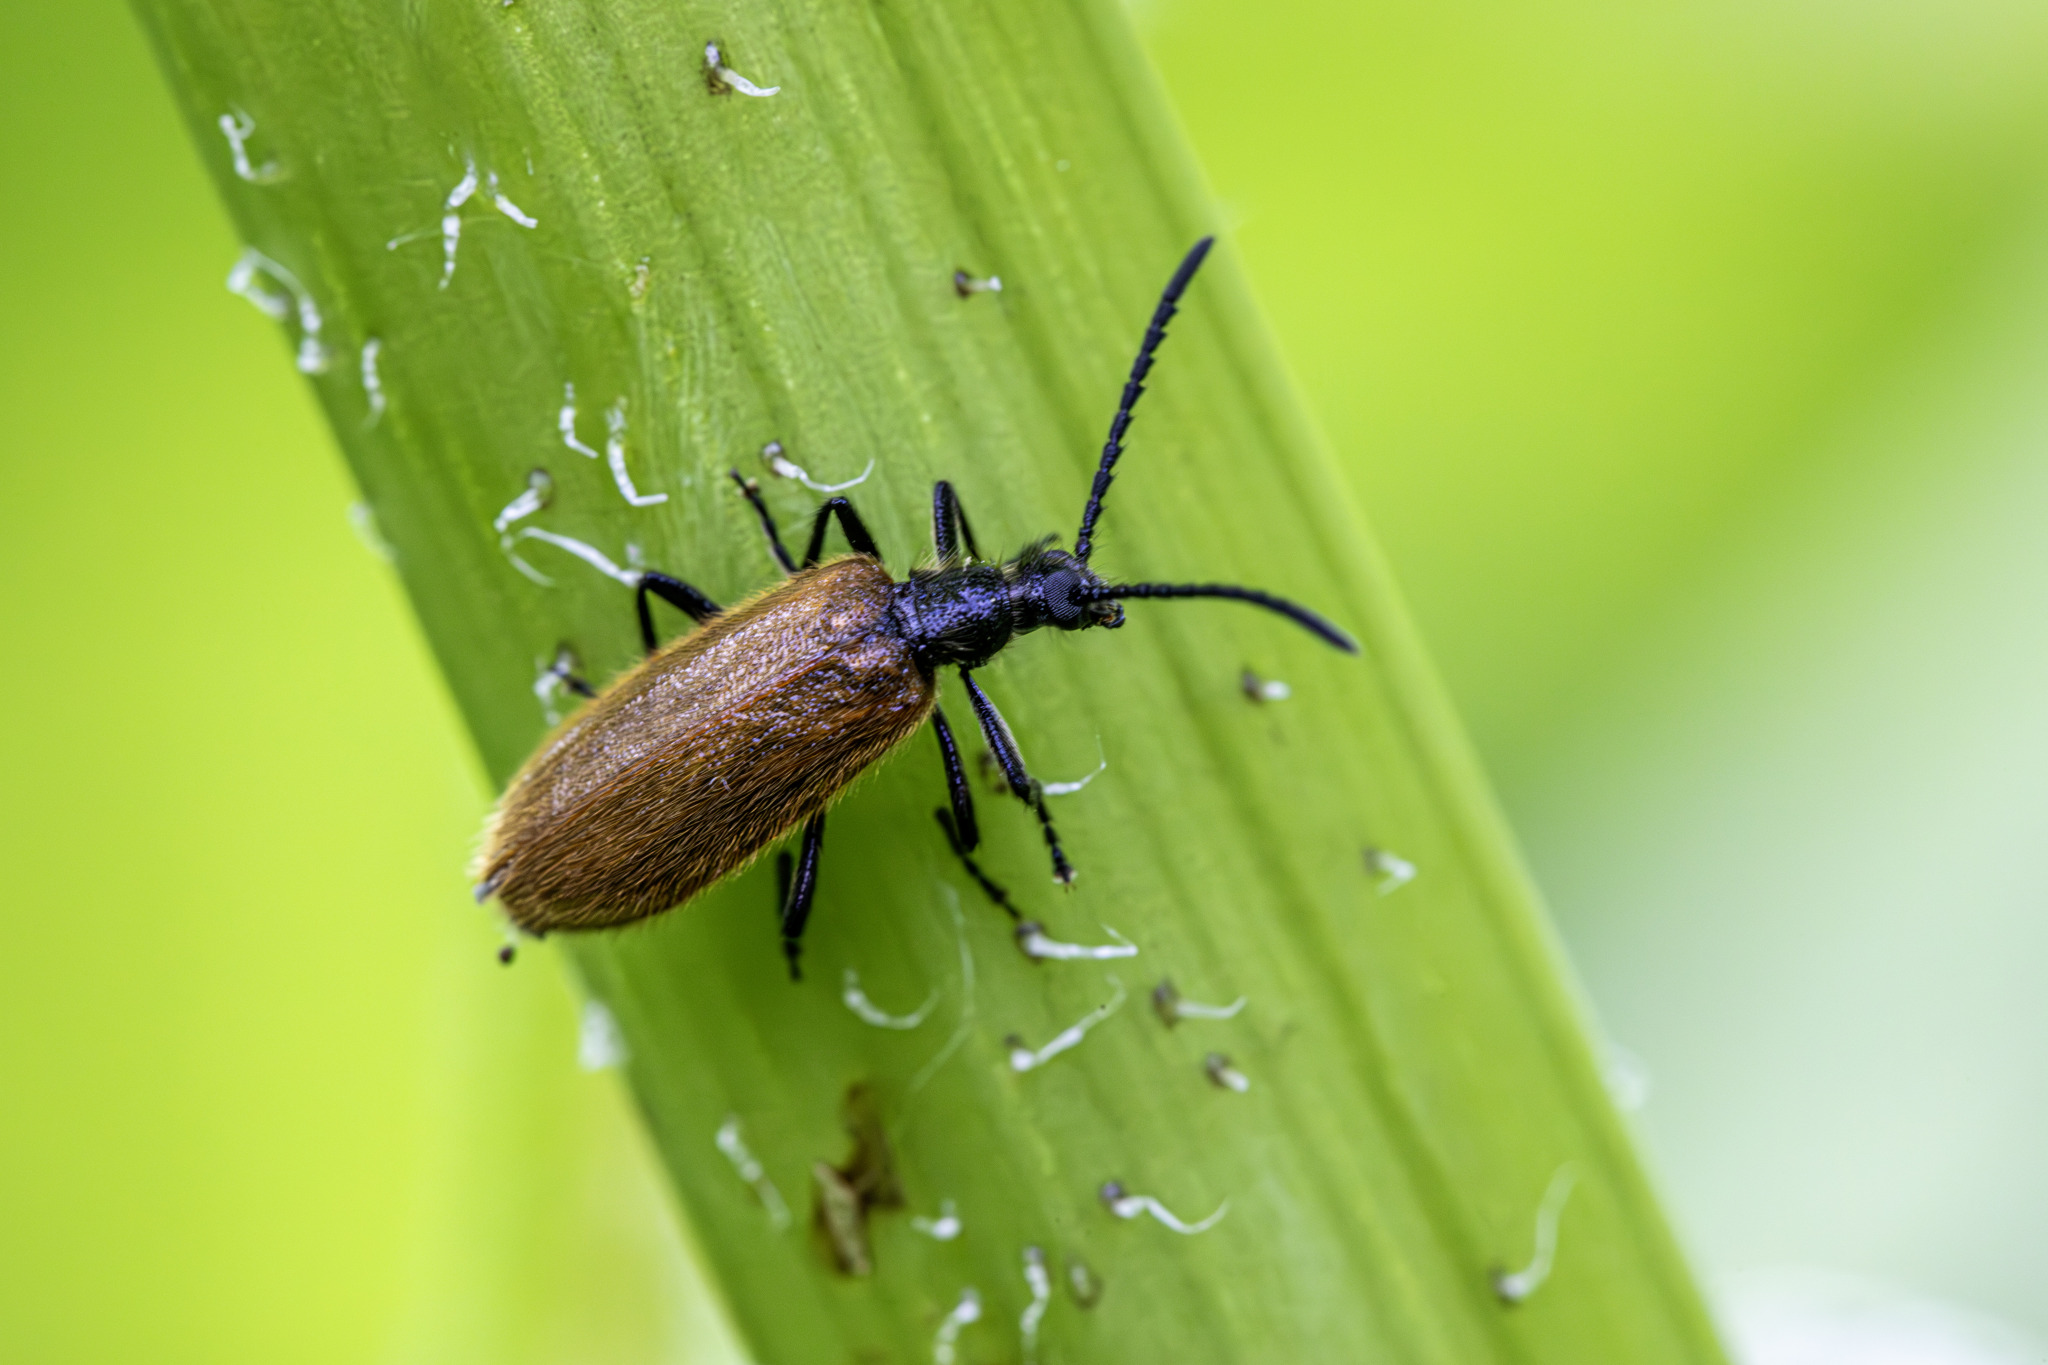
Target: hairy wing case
[686,767]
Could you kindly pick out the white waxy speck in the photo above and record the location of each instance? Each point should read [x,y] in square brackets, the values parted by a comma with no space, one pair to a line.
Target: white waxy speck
[945,1346]
[362,519]
[1127,1206]
[1515,1286]
[615,456]
[246,280]
[857,1000]
[1023,1058]
[944,1228]
[237,127]
[1223,1074]
[373,383]
[1393,871]
[966,285]
[599,1044]
[724,76]
[735,1148]
[1039,1281]
[773,456]
[1031,937]
[1264,689]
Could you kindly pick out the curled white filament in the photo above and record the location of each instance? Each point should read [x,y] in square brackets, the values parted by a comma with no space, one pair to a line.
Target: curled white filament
[944,1345]
[1224,1074]
[237,127]
[1127,1205]
[732,80]
[788,469]
[1031,937]
[1069,788]
[373,383]
[943,1228]
[1024,1059]
[539,488]
[1392,869]
[246,280]
[1515,1286]
[451,219]
[857,1000]
[615,456]
[589,554]
[735,1149]
[1040,1283]
[565,422]
[511,210]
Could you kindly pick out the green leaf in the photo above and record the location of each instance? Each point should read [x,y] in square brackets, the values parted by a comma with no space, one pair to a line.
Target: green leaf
[713,271]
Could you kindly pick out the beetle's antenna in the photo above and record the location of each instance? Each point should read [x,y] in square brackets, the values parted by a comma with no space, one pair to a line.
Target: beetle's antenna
[1169,303]
[1300,615]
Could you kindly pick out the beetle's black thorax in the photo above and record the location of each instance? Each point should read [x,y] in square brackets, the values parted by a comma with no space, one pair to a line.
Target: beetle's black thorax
[954,615]
[966,614]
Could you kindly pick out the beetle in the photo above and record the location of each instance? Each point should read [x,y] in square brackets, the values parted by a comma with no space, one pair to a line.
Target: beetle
[682,770]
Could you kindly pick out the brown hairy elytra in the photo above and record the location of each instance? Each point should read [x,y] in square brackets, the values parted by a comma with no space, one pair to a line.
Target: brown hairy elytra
[686,767]
[683,770]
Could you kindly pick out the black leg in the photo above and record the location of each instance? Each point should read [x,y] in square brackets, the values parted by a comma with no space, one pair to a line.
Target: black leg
[855,530]
[1022,784]
[677,594]
[752,491]
[949,525]
[989,888]
[968,832]
[798,894]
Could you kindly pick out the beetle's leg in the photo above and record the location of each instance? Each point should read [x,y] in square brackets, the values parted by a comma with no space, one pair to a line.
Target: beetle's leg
[989,888]
[949,525]
[968,832]
[752,492]
[1022,784]
[677,594]
[802,889]
[855,530]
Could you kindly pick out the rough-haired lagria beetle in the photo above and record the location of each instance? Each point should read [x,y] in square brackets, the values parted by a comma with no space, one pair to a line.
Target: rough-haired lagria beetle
[680,772]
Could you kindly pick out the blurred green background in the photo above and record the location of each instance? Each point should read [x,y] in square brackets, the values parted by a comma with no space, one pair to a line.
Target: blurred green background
[1692,362]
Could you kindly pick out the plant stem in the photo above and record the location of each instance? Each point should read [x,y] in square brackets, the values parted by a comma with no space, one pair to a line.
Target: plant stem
[541,205]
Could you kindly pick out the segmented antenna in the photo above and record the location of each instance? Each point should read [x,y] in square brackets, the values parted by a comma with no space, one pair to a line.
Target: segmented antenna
[1300,615]
[1169,303]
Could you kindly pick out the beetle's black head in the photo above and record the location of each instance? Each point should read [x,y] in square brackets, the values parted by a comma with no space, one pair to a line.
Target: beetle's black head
[1048,587]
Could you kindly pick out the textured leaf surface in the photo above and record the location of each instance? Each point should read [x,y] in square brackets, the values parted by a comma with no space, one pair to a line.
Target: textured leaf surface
[722,271]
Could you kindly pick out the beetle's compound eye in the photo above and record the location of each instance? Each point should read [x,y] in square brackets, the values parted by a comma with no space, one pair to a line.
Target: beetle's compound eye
[1061,594]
